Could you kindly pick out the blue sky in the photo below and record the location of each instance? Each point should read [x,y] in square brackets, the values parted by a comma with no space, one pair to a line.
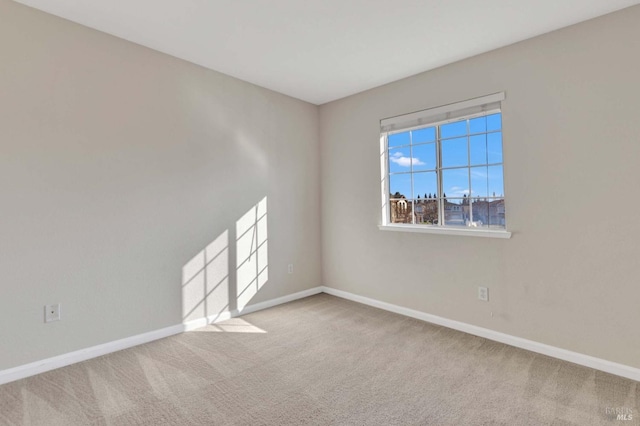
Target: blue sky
[467,156]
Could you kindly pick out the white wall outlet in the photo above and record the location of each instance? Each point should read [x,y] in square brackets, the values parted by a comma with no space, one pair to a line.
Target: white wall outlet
[290,268]
[483,294]
[52,312]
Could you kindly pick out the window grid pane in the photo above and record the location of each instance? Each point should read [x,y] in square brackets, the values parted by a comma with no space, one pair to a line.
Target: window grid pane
[463,158]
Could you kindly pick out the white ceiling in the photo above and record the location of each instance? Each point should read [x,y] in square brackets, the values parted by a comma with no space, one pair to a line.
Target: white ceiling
[322,50]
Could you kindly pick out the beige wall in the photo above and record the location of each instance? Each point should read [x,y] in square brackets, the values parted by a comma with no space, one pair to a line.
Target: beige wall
[118,166]
[568,277]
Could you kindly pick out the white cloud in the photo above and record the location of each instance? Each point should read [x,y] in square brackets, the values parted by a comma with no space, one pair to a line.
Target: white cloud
[478,174]
[403,161]
[457,191]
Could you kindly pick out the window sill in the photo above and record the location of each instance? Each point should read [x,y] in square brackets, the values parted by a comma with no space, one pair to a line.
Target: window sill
[466,232]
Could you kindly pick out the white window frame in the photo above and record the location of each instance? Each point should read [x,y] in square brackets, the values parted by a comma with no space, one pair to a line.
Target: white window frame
[437,116]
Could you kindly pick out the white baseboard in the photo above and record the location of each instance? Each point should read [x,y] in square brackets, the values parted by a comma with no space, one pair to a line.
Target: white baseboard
[201,322]
[279,301]
[49,364]
[64,360]
[541,348]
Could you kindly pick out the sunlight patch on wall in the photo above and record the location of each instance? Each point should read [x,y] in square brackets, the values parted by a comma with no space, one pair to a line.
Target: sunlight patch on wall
[205,281]
[251,253]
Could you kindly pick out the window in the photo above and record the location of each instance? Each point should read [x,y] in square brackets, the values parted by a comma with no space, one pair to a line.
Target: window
[442,169]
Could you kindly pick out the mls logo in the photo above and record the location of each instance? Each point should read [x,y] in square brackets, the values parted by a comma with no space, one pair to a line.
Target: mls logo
[621,413]
[624,417]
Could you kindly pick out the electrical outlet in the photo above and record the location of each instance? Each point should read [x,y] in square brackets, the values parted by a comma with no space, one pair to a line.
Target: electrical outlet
[52,312]
[483,294]
[290,268]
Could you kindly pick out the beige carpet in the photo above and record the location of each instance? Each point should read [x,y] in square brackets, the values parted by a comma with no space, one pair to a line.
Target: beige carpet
[321,361]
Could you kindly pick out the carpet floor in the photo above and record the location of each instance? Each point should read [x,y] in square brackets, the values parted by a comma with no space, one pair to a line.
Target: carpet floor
[321,361]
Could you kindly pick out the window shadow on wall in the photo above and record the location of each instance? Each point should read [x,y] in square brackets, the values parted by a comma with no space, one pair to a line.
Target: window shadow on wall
[252,263]
[205,281]
[211,288]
